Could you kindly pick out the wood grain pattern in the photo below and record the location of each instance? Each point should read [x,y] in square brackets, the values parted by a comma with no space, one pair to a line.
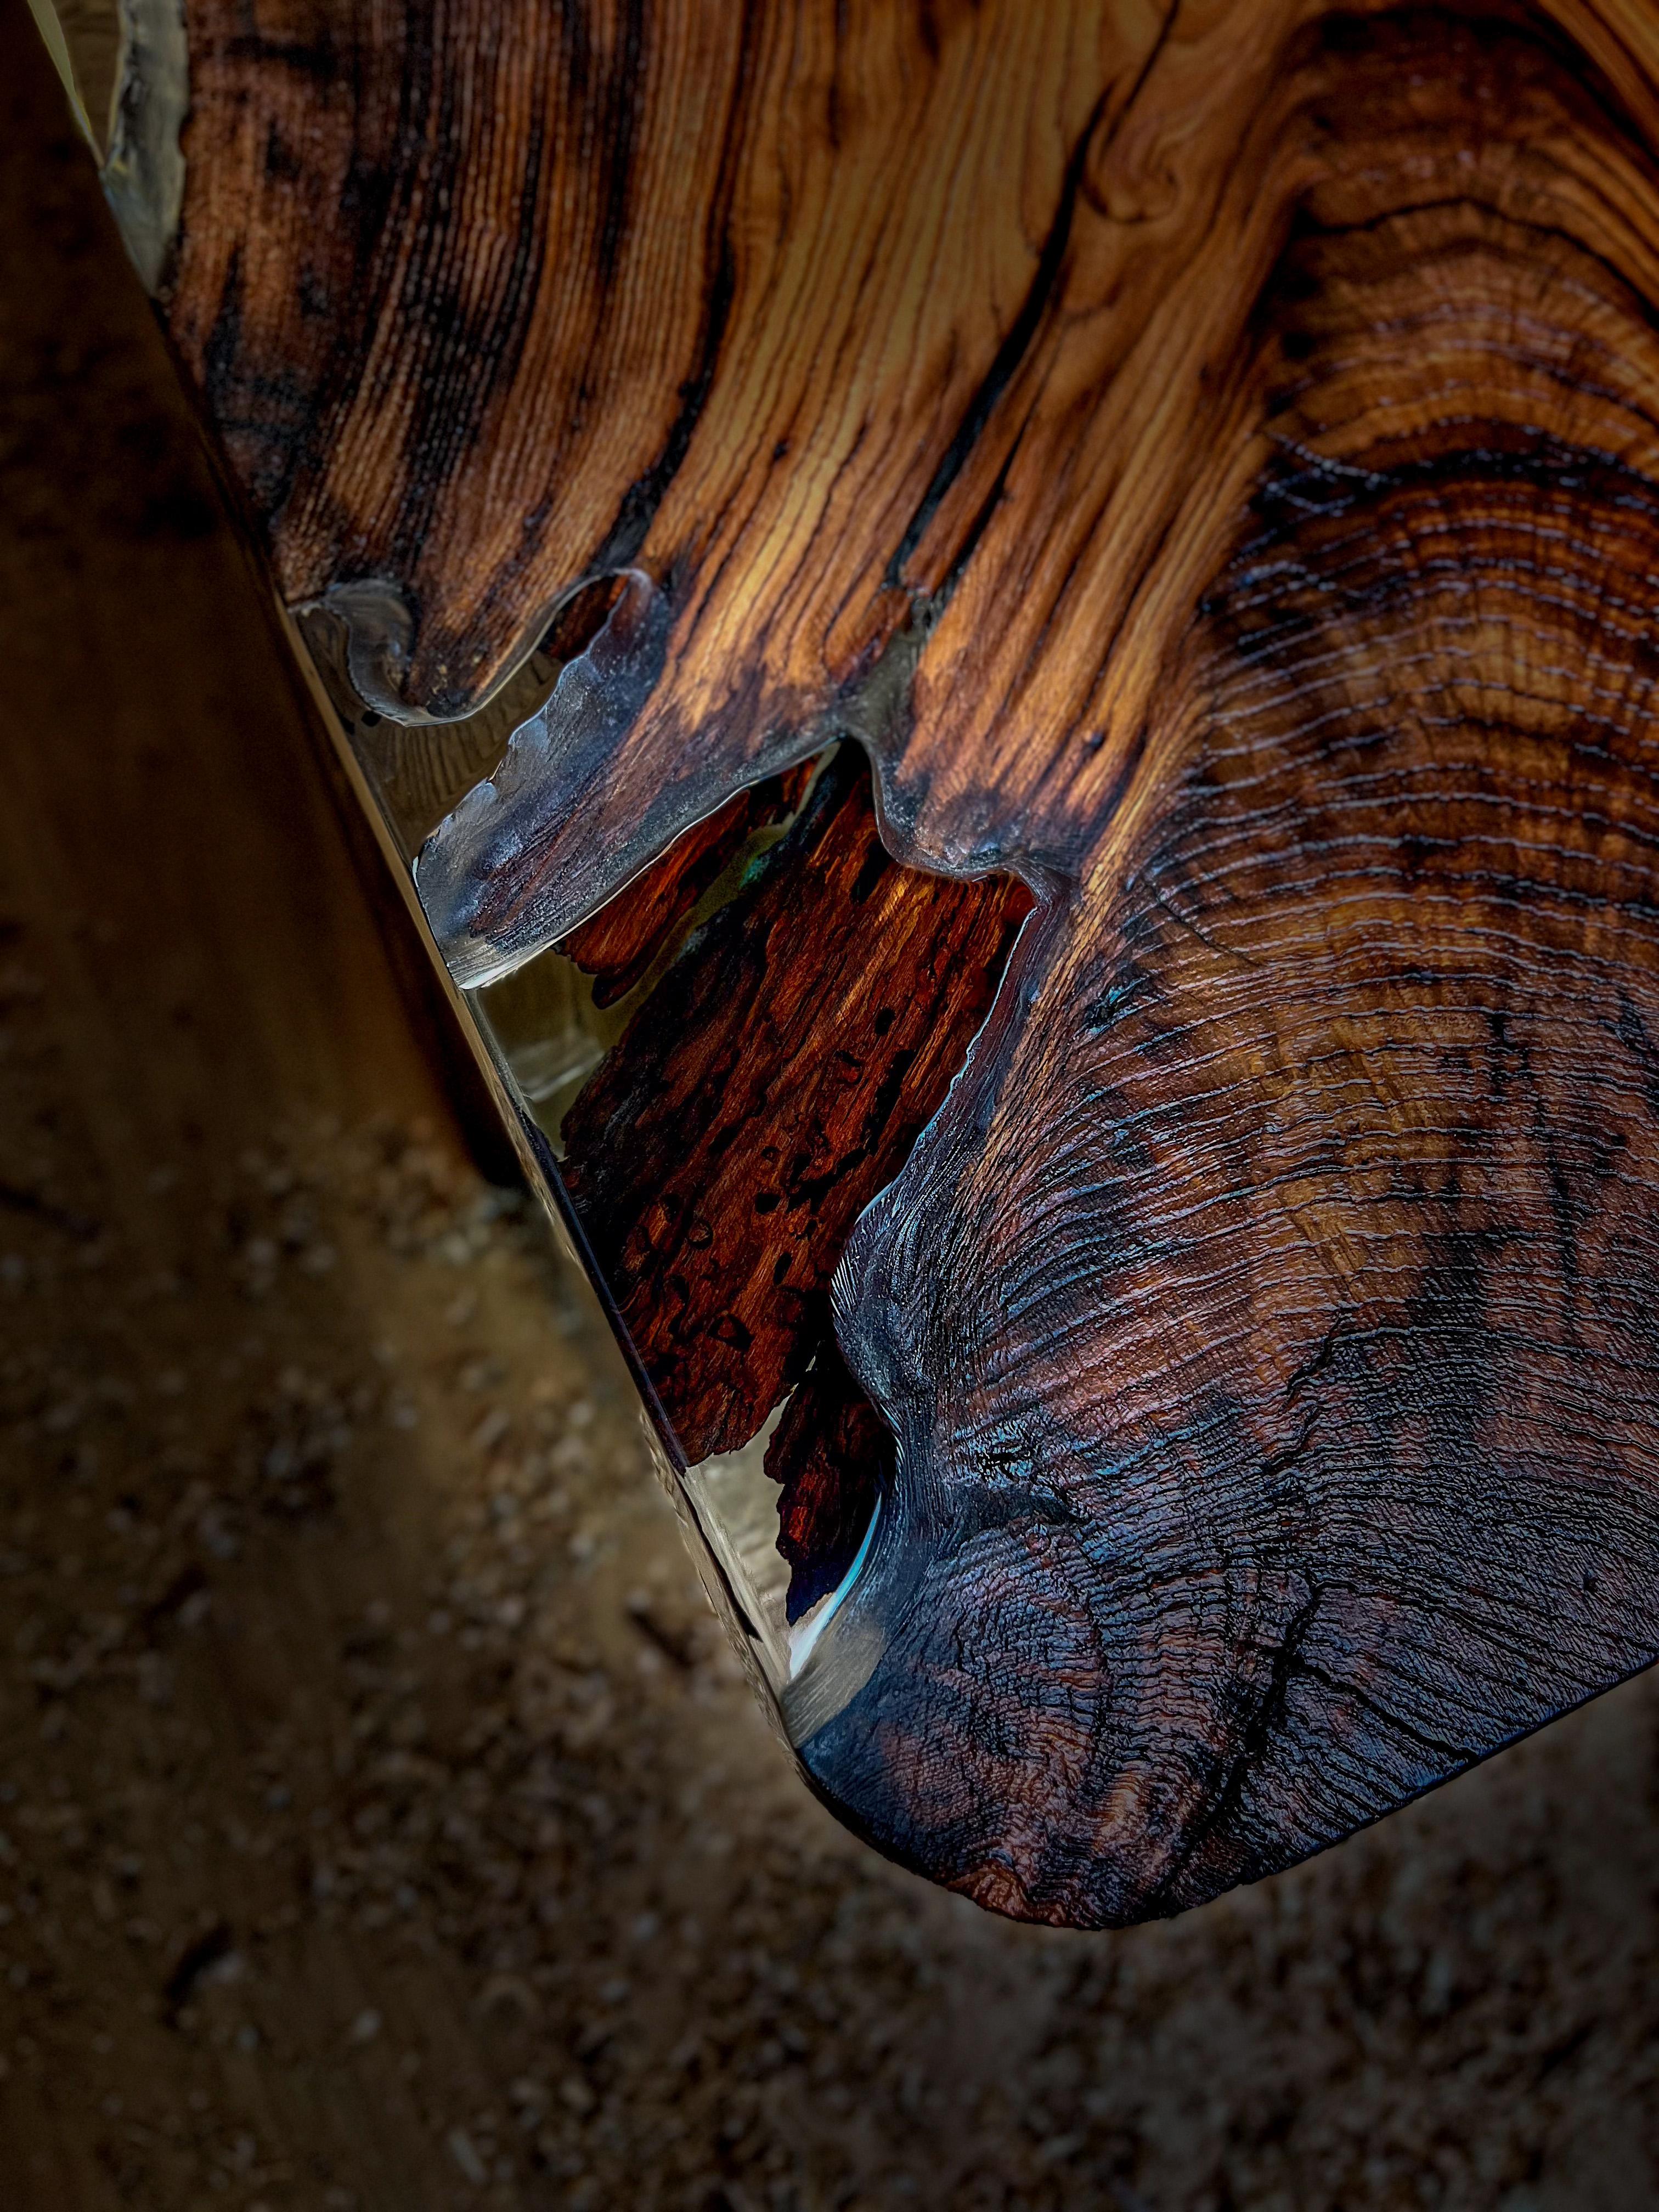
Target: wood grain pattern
[774,1083]
[1207,455]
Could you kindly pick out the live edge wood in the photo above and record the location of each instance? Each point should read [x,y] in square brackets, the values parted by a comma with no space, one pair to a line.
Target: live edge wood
[1207,457]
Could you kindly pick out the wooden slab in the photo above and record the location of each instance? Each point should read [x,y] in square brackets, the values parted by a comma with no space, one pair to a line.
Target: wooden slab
[1206,456]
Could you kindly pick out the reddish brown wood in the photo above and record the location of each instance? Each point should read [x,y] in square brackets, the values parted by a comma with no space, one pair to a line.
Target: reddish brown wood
[774,1082]
[623,941]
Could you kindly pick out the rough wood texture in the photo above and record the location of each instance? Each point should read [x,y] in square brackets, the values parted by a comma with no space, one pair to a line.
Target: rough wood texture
[1207,455]
[774,1083]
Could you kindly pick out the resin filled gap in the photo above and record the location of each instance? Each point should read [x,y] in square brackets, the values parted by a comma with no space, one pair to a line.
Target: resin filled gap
[770,1085]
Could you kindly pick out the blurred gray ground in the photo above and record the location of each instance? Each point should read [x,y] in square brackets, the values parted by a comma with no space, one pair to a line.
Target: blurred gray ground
[382,1825]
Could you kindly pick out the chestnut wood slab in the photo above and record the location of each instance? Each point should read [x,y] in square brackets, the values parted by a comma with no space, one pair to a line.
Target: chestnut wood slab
[1204,459]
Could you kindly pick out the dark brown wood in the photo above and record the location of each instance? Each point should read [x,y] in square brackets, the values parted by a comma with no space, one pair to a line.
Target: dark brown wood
[1206,457]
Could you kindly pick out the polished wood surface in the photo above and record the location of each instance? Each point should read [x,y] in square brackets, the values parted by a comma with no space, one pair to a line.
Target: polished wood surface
[1206,456]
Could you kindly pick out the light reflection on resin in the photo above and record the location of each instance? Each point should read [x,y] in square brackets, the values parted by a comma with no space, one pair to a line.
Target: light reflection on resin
[549,1026]
[736,1504]
[547,1034]
[543,1021]
[491,898]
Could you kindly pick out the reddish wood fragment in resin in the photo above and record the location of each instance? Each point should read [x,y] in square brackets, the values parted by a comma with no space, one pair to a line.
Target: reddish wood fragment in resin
[771,1084]
[832,1455]
[621,944]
